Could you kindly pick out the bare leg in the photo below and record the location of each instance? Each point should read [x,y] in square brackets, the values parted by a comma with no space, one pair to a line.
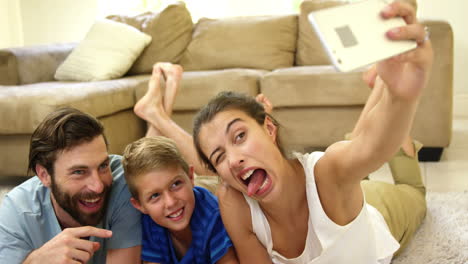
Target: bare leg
[183,140]
[152,131]
[153,94]
[173,75]
[155,108]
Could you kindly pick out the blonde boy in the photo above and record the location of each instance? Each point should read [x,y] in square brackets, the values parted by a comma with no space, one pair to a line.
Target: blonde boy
[180,223]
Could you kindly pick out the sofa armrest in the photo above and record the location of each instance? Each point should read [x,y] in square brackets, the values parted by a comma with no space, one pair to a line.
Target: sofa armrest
[433,123]
[26,65]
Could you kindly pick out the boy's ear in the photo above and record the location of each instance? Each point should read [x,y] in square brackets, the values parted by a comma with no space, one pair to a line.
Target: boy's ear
[137,205]
[43,175]
[271,128]
[191,175]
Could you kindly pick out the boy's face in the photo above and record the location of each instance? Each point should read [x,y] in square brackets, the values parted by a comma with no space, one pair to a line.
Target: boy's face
[166,195]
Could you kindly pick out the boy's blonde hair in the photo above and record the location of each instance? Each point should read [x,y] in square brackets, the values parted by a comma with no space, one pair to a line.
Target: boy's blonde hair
[148,154]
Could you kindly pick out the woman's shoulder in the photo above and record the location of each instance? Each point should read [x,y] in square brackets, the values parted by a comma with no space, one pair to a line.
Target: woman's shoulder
[233,206]
[229,197]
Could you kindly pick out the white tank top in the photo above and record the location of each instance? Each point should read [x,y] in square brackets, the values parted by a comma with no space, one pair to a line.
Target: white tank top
[366,240]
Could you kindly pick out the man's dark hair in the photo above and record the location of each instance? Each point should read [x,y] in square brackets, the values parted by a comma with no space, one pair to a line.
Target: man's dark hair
[61,130]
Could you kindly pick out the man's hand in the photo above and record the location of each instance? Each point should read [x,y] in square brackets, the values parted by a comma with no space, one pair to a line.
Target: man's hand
[69,246]
[406,75]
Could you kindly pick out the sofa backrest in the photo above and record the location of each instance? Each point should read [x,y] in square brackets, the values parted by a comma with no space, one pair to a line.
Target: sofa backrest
[34,64]
[258,42]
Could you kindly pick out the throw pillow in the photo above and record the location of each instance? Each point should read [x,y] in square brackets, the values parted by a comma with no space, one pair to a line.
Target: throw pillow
[107,52]
[171,30]
[259,42]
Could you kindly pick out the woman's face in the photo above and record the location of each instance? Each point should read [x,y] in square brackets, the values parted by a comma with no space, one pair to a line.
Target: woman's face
[243,152]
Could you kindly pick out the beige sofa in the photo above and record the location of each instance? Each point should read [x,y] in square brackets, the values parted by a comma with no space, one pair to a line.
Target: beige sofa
[279,56]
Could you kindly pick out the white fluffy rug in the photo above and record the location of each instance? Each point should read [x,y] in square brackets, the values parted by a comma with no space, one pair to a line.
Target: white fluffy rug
[441,239]
[443,236]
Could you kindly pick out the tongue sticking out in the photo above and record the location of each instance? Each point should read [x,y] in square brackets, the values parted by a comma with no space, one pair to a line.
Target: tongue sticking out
[256,180]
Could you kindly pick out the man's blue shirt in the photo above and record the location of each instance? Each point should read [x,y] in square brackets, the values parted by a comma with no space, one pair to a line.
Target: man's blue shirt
[28,220]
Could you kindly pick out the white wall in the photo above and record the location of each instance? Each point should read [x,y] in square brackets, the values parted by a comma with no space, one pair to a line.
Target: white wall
[10,24]
[229,8]
[48,21]
[128,7]
[453,11]
[32,22]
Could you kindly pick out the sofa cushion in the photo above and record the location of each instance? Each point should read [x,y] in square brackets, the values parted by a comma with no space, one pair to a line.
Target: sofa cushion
[23,107]
[15,148]
[321,126]
[198,87]
[14,154]
[259,42]
[171,30]
[8,68]
[314,86]
[107,52]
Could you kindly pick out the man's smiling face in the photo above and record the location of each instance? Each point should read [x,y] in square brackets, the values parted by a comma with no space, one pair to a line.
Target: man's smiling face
[82,182]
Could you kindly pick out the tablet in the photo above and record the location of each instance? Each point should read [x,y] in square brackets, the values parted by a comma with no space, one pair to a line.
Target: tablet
[353,35]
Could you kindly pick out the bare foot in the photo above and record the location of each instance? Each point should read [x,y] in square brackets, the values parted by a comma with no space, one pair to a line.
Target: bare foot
[150,106]
[261,98]
[172,74]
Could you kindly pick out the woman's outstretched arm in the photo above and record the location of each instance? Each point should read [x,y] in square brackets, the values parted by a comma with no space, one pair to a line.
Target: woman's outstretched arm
[398,86]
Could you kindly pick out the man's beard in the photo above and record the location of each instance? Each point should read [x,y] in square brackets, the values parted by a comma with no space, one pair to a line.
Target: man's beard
[70,204]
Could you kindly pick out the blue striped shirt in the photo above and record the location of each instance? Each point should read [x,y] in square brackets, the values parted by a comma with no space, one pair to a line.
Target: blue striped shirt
[210,241]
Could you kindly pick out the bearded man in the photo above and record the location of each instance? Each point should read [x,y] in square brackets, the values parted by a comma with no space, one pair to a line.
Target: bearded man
[77,209]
